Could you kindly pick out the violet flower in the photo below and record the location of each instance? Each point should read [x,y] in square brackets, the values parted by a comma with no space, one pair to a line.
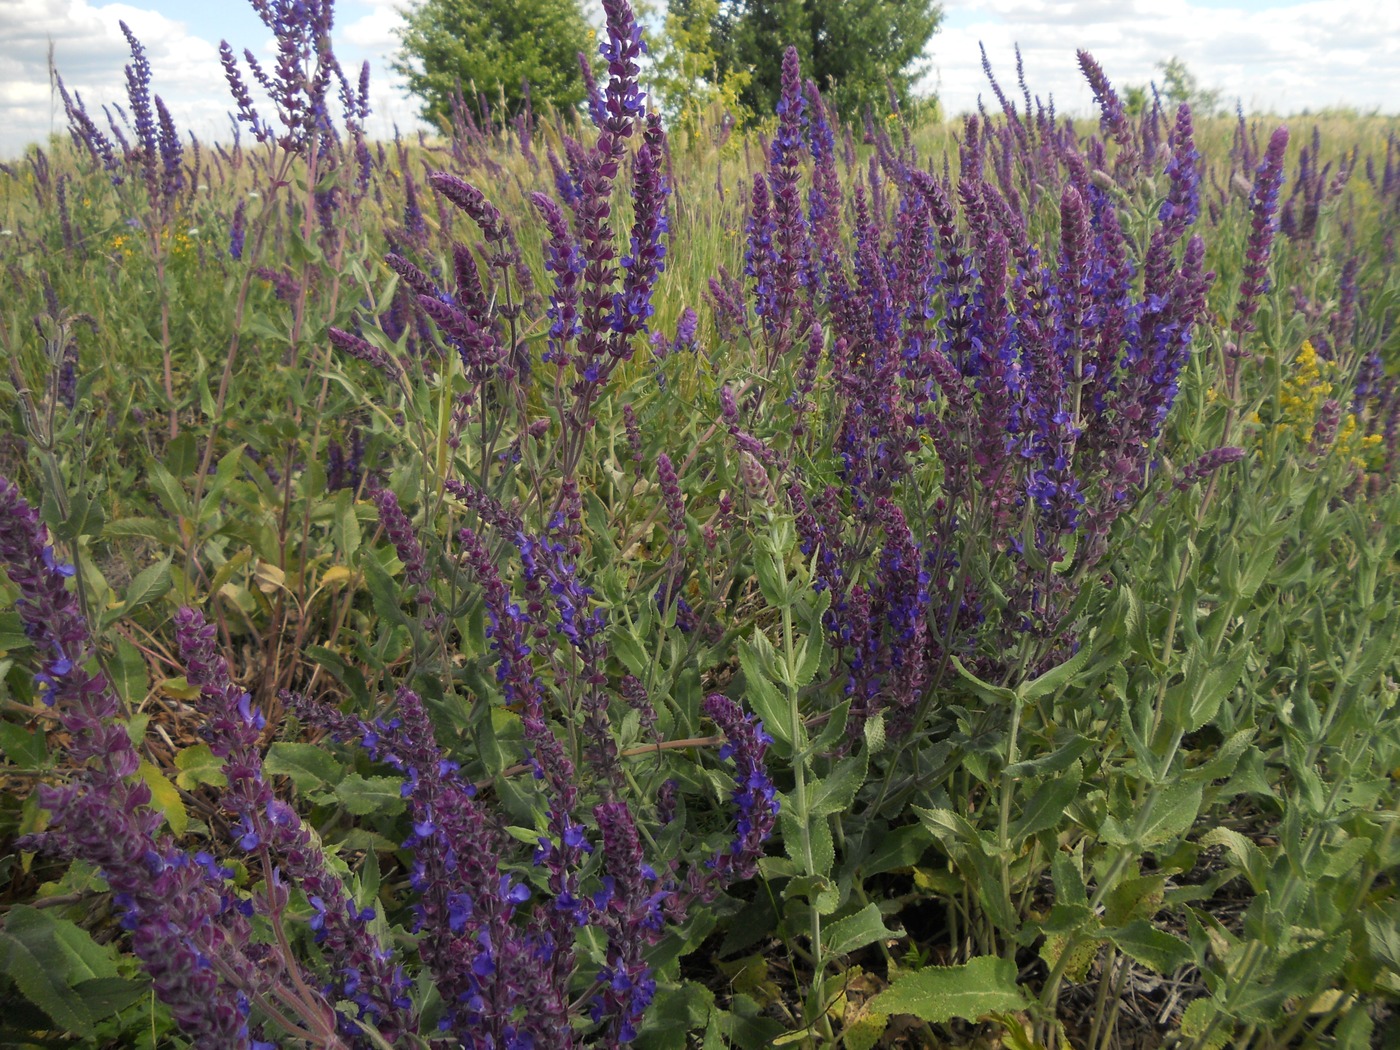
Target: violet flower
[190,936]
[363,968]
[754,796]
[1263,207]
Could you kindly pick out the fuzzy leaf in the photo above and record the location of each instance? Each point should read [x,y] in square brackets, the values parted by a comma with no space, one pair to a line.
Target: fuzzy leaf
[1046,808]
[147,585]
[938,994]
[198,765]
[46,957]
[308,765]
[23,747]
[164,797]
[1156,949]
[365,795]
[856,931]
[835,792]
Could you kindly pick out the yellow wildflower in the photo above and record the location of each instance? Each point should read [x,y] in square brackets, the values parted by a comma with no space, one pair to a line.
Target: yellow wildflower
[1303,393]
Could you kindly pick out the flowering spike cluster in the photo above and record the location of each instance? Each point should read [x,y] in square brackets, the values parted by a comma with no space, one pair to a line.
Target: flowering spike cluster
[498,977]
[1182,205]
[86,134]
[300,83]
[1039,375]
[268,828]
[1207,464]
[675,502]
[1114,119]
[189,935]
[138,93]
[402,535]
[646,259]
[1263,207]
[238,231]
[790,247]
[359,348]
[754,796]
[172,178]
[563,259]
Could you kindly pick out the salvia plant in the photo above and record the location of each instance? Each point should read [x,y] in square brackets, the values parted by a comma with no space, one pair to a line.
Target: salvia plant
[856,583]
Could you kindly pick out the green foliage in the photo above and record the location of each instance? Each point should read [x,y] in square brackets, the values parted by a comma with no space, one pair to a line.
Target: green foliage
[971,991]
[493,47]
[685,74]
[1180,85]
[856,52]
[59,968]
[1202,794]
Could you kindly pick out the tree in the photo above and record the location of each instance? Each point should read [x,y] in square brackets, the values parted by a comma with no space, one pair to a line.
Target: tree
[493,46]
[853,49]
[684,75]
[1180,85]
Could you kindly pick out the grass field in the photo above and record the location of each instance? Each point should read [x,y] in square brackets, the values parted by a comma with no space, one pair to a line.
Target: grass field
[827,585]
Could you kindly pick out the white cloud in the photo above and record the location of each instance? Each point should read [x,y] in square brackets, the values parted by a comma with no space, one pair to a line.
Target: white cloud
[375,31]
[91,53]
[1290,58]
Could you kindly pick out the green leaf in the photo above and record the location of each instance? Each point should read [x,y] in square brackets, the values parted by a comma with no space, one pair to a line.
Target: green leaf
[676,1011]
[1218,683]
[128,668]
[938,994]
[365,795]
[901,848]
[104,996]
[346,673]
[818,834]
[149,584]
[823,894]
[1243,854]
[1174,813]
[629,650]
[383,591]
[953,830]
[1156,949]
[23,747]
[995,694]
[347,525]
[763,696]
[1302,973]
[46,957]
[1200,1018]
[874,730]
[772,578]
[1054,679]
[164,797]
[1046,808]
[809,659]
[309,765]
[12,634]
[835,792]
[158,529]
[1056,762]
[198,765]
[1222,764]
[856,931]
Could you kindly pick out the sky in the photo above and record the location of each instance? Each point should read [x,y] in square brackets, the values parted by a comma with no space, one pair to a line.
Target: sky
[1281,56]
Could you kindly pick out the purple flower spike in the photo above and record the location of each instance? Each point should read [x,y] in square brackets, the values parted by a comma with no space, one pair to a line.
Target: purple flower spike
[1263,206]
[402,535]
[754,797]
[266,824]
[179,920]
[472,201]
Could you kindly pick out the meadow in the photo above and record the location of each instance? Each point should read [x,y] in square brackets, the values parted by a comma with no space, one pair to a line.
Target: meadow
[832,584]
